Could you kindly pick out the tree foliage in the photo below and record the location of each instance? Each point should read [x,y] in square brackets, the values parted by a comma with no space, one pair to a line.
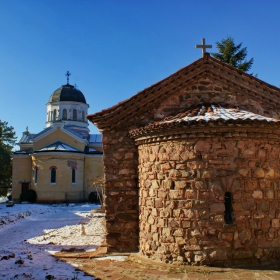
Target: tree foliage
[233,54]
[7,141]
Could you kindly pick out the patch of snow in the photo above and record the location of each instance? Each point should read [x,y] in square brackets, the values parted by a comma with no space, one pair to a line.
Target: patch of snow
[33,238]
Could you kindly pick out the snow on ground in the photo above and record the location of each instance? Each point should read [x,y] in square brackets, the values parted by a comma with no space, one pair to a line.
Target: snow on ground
[30,233]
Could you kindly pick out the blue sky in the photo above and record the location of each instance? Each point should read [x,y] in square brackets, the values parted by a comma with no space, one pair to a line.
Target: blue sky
[116,48]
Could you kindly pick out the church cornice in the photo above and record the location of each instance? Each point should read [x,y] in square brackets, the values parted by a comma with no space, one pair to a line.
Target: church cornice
[61,153]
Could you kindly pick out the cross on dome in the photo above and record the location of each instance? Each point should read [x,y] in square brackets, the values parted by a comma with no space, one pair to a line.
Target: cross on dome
[203,46]
[68,75]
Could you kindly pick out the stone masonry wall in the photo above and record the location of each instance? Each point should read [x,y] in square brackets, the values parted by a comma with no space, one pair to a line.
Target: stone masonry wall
[121,155]
[121,203]
[182,187]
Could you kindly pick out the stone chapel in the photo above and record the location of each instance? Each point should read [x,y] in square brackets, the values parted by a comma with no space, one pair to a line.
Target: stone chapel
[61,162]
[192,168]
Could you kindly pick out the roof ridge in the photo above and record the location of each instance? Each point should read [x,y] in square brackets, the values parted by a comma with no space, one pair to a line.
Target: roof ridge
[127,108]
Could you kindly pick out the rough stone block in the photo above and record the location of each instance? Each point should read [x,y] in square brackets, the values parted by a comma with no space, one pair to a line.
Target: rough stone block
[257,195]
[125,171]
[275,223]
[266,223]
[217,207]
[207,175]
[155,237]
[218,255]
[242,254]
[270,194]
[270,174]
[251,185]
[174,194]
[189,213]
[165,213]
[161,194]
[176,213]
[264,205]
[190,194]
[202,146]
[243,172]
[186,224]
[155,184]
[195,165]
[180,184]
[181,166]
[180,241]
[165,166]
[179,232]
[249,205]
[199,185]
[245,235]
[241,162]
[218,218]
[258,173]
[227,236]
[158,203]
[195,233]
[173,223]
[192,247]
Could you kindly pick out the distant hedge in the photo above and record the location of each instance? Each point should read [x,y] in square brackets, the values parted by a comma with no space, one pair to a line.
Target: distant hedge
[29,195]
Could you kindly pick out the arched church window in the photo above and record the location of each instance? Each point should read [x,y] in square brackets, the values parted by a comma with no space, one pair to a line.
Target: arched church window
[53,174]
[83,116]
[64,114]
[54,114]
[35,174]
[228,208]
[74,115]
[73,175]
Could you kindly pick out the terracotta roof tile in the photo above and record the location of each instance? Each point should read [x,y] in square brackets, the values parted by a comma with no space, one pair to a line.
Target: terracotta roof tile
[206,66]
[205,113]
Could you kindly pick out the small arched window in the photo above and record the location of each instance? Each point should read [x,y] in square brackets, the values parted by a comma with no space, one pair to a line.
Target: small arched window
[73,175]
[54,114]
[53,174]
[35,174]
[228,208]
[83,116]
[74,115]
[64,114]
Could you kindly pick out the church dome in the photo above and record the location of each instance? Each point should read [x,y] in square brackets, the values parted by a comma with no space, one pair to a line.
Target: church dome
[67,93]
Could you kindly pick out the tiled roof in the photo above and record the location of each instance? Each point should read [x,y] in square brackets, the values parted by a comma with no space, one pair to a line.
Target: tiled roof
[26,138]
[204,114]
[78,131]
[42,132]
[95,138]
[23,152]
[58,147]
[206,66]
[89,150]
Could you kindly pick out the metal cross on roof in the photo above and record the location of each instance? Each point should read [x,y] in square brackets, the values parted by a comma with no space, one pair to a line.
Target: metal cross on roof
[203,46]
[68,75]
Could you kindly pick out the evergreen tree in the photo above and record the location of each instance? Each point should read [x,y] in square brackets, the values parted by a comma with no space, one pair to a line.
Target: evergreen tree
[233,54]
[7,141]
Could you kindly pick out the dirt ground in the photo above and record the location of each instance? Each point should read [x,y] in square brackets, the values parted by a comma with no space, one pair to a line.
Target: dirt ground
[135,267]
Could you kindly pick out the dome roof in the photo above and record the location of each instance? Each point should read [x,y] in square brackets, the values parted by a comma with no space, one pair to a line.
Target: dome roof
[67,93]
